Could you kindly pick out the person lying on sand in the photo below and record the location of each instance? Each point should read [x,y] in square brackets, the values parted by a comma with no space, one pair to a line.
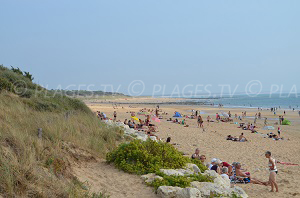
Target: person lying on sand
[229,137]
[246,177]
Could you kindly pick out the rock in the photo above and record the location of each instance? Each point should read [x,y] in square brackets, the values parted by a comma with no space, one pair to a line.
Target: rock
[239,191]
[149,178]
[222,182]
[176,192]
[193,167]
[153,138]
[211,173]
[217,178]
[168,191]
[172,172]
[207,188]
[185,171]
[188,193]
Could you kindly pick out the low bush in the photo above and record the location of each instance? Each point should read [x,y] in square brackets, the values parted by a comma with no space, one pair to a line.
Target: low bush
[180,181]
[148,157]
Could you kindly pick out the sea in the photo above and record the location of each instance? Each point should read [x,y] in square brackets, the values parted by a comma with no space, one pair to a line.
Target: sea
[265,101]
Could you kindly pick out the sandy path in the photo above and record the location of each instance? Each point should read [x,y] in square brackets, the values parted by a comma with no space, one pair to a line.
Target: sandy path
[118,184]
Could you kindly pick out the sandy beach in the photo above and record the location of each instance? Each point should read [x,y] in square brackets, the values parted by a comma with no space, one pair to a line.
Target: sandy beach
[212,141]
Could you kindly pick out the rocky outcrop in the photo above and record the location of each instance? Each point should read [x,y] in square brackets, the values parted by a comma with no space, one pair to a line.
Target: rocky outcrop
[131,132]
[176,192]
[220,186]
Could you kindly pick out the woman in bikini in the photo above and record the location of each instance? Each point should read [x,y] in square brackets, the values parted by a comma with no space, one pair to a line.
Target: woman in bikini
[273,171]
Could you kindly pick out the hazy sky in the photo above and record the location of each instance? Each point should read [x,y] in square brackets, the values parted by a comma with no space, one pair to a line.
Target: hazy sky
[161,42]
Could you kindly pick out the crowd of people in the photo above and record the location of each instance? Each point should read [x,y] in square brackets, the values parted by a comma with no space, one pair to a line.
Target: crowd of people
[236,174]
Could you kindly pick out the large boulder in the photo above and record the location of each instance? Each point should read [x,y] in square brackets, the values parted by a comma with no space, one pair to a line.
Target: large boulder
[208,189]
[168,191]
[193,167]
[177,172]
[217,178]
[188,193]
[239,191]
[176,192]
[172,172]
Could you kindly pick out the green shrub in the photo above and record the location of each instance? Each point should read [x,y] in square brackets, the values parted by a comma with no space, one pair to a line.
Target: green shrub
[180,181]
[147,157]
[5,84]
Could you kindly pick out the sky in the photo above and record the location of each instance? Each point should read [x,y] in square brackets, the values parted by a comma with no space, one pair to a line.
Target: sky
[154,47]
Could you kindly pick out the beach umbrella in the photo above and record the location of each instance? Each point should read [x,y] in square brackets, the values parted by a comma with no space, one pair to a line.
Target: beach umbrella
[268,128]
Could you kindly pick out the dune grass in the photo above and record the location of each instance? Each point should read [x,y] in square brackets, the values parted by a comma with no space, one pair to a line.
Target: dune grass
[41,167]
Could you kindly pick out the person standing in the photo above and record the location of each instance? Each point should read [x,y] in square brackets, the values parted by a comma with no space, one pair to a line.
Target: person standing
[115,116]
[280,121]
[273,171]
[208,120]
[279,131]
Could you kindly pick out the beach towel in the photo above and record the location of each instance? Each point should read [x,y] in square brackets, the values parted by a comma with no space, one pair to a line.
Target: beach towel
[135,118]
[288,163]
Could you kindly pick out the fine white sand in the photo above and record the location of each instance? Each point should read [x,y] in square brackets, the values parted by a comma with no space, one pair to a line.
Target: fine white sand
[212,143]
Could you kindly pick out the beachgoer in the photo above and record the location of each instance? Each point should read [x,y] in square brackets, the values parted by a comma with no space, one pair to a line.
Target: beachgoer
[246,177]
[279,131]
[115,116]
[168,140]
[266,122]
[208,120]
[196,155]
[213,162]
[224,172]
[273,171]
[203,159]
[200,121]
[228,166]
[217,166]
[242,138]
